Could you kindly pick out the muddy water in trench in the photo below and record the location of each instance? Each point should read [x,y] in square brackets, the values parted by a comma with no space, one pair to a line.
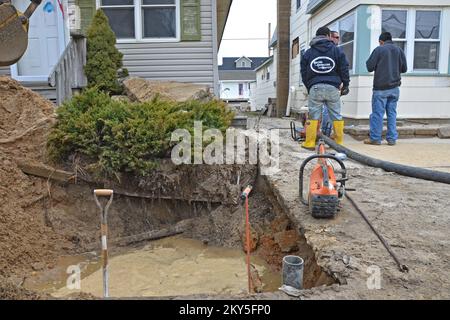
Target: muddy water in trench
[173,266]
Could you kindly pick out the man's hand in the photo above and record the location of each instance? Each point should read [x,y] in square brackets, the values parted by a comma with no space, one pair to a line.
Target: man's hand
[345,91]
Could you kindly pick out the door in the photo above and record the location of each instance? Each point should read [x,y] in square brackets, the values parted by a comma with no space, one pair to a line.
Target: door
[241,90]
[45,41]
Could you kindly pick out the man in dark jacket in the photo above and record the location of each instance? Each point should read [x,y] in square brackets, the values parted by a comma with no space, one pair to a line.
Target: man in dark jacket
[325,73]
[326,123]
[389,62]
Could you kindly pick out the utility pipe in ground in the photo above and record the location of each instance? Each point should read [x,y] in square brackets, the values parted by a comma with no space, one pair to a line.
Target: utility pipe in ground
[244,196]
[408,171]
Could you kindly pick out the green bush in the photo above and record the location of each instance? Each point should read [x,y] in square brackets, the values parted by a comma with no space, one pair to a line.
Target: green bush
[115,136]
[103,60]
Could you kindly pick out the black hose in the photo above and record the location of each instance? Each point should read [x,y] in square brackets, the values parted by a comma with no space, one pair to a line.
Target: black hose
[408,171]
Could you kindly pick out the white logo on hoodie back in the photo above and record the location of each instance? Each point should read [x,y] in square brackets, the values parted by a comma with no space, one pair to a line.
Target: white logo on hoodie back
[323,65]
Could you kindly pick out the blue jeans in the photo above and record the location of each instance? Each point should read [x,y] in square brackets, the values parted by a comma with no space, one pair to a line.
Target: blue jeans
[329,95]
[384,101]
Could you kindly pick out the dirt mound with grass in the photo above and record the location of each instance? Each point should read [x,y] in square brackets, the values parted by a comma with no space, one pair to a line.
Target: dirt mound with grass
[26,243]
[141,90]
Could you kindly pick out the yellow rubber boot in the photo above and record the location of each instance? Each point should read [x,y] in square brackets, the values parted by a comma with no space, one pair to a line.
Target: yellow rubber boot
[311,134]
[338,127]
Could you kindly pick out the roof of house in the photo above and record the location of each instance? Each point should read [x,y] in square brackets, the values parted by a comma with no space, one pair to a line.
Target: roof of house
[223,11]
[229,63]
[235,75]
[315,5]
[243,57]
[267,62]
[229,72]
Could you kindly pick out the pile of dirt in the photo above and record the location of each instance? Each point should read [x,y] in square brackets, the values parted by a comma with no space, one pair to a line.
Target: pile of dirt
[26,243]
[141,90]
[25,120]
[11,291]
[40,220]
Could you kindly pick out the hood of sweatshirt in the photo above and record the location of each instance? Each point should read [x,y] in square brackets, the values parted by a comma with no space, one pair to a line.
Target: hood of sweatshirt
[322,43]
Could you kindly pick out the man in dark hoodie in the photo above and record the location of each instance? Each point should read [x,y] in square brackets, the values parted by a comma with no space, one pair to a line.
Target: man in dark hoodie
[389,62]
[325,73]
[327,126]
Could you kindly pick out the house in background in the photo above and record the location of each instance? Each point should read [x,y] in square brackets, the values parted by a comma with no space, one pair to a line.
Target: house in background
[235,76]
[53,62]
[171,40]
[420,28]
[265,86]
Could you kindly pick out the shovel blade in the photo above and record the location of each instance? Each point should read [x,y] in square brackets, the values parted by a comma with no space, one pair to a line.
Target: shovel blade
[13,35]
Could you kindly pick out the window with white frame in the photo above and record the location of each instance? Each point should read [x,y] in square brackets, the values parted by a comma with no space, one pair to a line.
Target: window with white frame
[142,19]
[418,33]
[394,21]
[243,63]
[299,4]
[346,28]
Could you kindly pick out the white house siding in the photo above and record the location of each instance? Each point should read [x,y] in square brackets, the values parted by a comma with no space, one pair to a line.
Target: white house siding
[233,92]
[264,89]
[190,61]
[304,27]
[422,97]
[299,28]
[252,99]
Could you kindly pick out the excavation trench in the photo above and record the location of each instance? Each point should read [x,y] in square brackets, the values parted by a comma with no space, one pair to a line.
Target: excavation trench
[173,247]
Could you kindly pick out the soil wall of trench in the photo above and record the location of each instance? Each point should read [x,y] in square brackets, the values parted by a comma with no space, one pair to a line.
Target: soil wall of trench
[170,199]
[199,201]
[41,220]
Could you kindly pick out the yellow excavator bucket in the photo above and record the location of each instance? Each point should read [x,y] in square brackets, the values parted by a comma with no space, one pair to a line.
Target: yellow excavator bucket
[13,35]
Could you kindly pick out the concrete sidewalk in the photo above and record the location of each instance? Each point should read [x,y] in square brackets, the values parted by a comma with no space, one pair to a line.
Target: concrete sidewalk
[411,214]
[429,153]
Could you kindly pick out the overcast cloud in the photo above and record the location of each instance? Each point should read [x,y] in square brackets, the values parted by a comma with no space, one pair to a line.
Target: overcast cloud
[248,19]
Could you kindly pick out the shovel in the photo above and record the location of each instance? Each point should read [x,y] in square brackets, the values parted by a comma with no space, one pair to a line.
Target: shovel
[14,31]
[104,232]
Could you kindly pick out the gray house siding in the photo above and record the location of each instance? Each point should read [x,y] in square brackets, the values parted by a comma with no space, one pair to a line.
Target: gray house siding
[190,61]
[5,71]
[185,61]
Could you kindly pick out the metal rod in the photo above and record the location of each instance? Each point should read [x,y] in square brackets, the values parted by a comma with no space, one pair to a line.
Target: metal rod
[402,267]
[244,196]
[104,228]
[247,228]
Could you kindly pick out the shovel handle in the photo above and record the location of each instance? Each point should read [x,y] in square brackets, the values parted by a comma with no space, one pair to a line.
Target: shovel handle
[103,192]
[31,8]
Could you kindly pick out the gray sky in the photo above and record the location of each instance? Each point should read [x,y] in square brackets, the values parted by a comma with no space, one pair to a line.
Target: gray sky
[248,19]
